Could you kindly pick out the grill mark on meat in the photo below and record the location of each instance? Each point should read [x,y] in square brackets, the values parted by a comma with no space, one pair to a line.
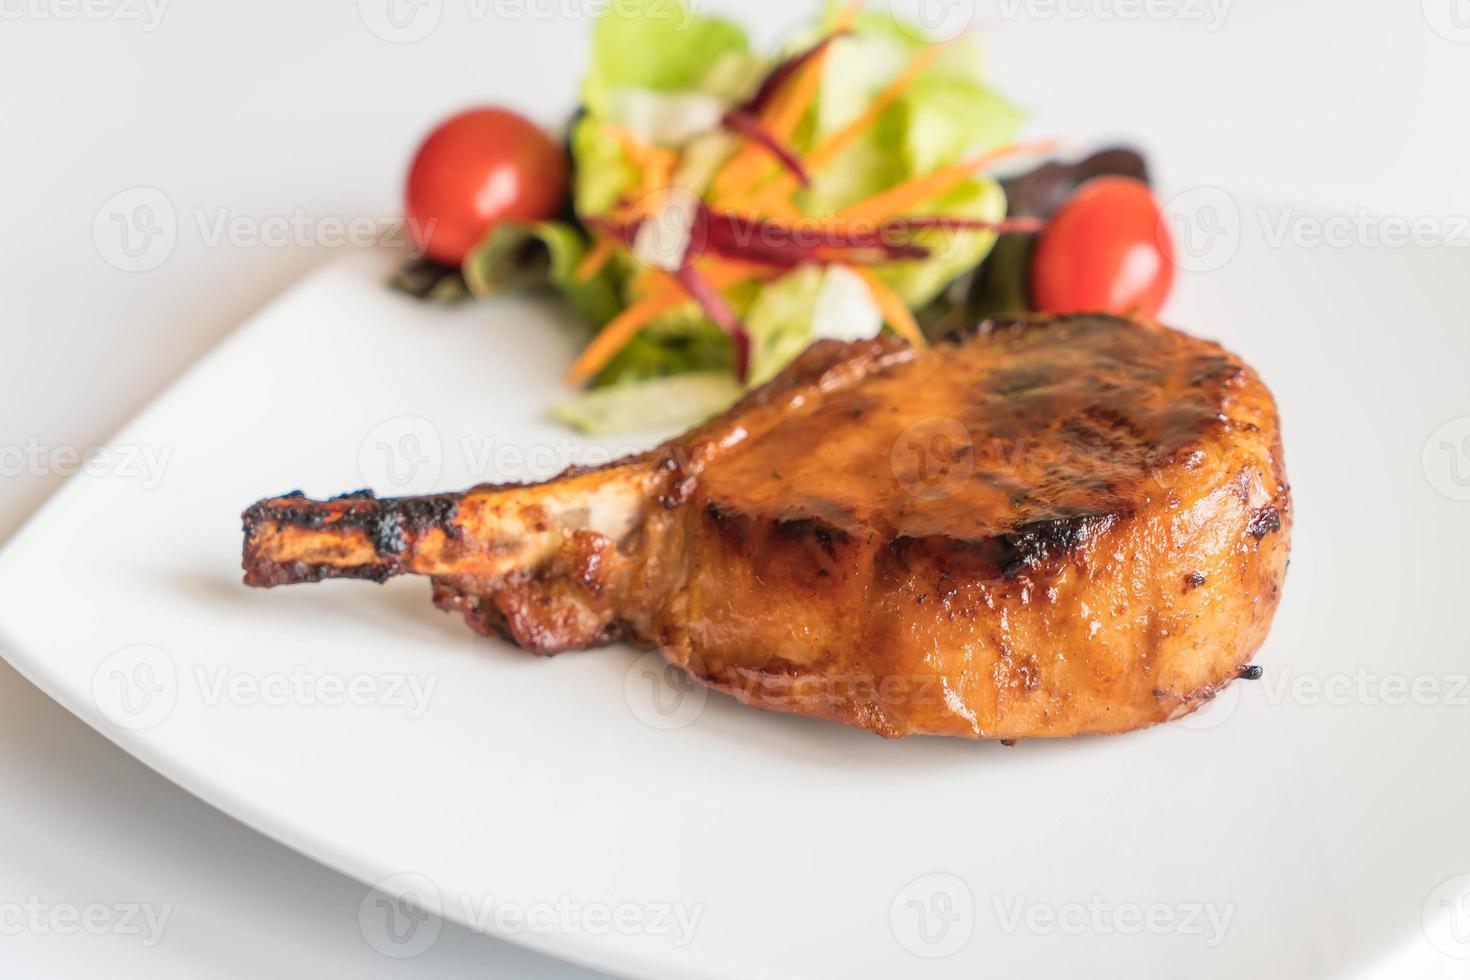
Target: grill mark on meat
[1263,522]
[389,523]
[1034,543]
[812,528]
[272,573]
[1214,369]
[1026,548]
[729,524]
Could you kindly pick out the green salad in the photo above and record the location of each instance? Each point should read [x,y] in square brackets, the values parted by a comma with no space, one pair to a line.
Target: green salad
[868,106]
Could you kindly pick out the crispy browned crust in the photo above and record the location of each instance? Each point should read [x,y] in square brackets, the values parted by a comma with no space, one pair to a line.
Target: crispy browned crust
[1044,527]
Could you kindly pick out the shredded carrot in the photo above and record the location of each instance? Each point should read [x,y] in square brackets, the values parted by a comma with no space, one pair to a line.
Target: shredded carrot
[650,194]
[896,312]
[639,152]
[655,166]
[726,272]
[649,280]
[619,330]
[896,200]
[751,164]
[847,16]
[837,142]
[826,151]
[740,170]
[666,296]
[786,115]
[595,259]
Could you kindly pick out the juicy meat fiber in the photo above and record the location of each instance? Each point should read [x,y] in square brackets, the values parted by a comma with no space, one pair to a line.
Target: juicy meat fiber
[1046,527]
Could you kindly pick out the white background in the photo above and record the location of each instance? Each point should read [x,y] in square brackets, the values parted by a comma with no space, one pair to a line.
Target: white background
[295,107]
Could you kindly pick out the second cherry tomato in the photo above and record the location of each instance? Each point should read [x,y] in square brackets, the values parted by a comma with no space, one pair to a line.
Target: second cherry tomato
[1105,249]
[476,169]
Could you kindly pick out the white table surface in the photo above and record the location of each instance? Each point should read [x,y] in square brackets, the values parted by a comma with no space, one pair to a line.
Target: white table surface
[245,111]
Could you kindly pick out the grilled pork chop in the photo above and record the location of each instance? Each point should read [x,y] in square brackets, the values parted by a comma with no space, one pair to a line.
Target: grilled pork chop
[1046,527]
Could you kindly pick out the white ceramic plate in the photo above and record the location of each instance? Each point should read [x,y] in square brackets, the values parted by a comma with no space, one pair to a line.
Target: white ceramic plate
[1306,825]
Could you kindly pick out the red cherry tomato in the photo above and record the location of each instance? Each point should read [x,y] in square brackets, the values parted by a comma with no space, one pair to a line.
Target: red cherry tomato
[475,170]
[1106,249]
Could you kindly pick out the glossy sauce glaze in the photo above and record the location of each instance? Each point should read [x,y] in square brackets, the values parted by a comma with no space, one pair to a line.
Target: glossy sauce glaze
[1045,527]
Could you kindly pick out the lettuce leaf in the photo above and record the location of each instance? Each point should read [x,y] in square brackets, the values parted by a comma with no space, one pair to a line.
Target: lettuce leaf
[654,66]
[805,305]
[948,118]
[600,172]
[673,344]
[656,44]
[657,402]
[951,252]
[519,256]
[945,114]
[780,321]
